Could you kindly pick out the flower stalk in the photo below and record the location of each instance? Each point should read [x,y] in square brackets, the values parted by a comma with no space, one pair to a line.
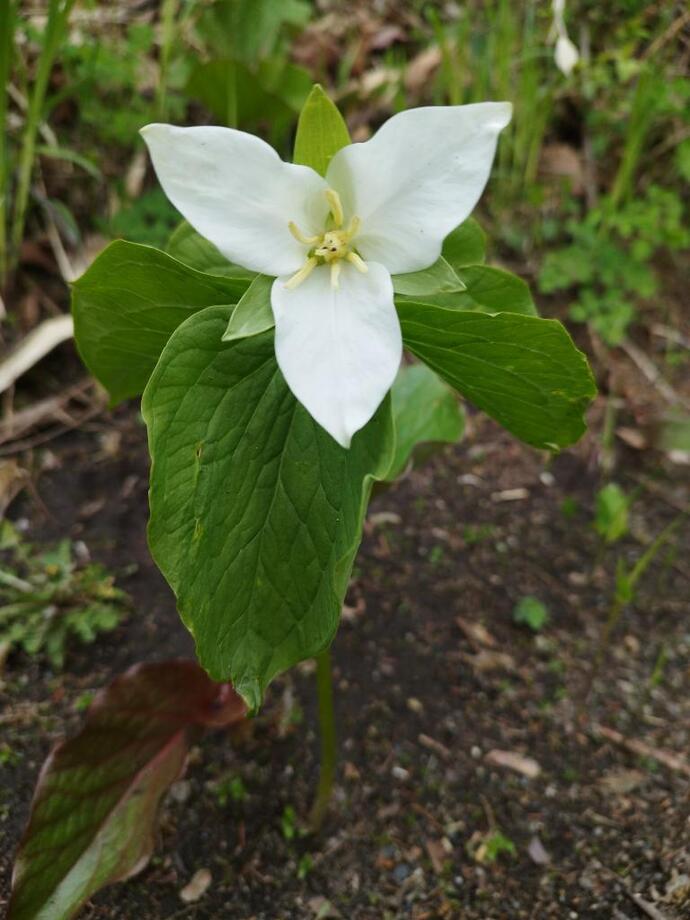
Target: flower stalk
[327,740]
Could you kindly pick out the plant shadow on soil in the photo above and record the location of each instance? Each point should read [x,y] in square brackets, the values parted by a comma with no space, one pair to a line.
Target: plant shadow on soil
[421,701]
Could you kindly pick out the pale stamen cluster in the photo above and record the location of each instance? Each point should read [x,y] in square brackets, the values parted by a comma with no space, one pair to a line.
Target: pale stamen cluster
[329,248]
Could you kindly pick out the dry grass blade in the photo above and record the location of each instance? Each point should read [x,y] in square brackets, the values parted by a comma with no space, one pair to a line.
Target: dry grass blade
[37,344]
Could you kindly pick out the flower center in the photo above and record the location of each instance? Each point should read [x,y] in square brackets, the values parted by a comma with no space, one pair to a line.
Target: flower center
[330,247]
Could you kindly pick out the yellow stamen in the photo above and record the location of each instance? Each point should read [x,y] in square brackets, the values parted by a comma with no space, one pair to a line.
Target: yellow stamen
[335,206]
[302,237]
[352,228]
[330,247]
[358,262]
[302,274]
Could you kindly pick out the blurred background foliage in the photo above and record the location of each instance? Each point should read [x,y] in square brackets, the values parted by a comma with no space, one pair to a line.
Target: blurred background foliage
[589,195]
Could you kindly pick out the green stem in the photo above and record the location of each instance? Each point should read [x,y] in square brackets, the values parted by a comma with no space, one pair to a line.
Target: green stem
[58,14]
[168,13]
[7,14]
[329,754]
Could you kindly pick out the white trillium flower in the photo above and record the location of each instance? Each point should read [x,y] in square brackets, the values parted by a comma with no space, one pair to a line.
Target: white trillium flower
[384,208]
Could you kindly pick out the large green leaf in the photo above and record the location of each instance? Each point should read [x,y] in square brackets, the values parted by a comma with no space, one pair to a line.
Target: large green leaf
[188,246]
[321,132]
[93,815]
[256,512]
[523,371]
[466,245]
[127,305]
[487,290]
[425,411]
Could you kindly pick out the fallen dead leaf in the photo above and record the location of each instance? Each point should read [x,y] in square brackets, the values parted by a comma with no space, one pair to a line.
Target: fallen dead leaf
[197,886]
[13,478]
[322,908]
[563,161]
[621,782]
[437,855]
[486,660]
[537,853]
[476,632]
[513,760]
[421,68]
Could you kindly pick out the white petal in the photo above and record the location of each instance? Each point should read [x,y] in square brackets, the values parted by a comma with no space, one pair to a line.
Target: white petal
[339,348]
[566,54]
[236,191]
[418,178]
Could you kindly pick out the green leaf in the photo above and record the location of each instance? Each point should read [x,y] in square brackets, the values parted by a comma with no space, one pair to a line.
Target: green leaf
[253,313]
[531,612]
[321,132]
[425,411]
[188,246]
[466,245]
[127,305]
[612,507]
[256,512]
[268,95]
[488,290]
[522,370]
[437,279]
[94,811]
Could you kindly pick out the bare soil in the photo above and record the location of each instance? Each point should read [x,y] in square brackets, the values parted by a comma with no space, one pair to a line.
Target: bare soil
[595,820]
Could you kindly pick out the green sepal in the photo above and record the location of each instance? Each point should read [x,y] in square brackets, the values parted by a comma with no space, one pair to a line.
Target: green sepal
[487,290]
[253,313]
[439,278]
[321,132]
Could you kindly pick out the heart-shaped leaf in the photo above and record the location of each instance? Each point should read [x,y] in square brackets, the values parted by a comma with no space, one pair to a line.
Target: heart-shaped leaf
[94,810]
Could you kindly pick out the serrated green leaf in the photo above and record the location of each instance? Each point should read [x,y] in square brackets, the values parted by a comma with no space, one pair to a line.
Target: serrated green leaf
[523,371]
[425,410]
[253,313]
[437,279]
[321,132]
[93,815]
[466,245]
[256,512]
[487,290]
[127,305]
[188,246]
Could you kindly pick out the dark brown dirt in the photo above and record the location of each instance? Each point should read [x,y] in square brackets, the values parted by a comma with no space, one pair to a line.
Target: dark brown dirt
[422,701]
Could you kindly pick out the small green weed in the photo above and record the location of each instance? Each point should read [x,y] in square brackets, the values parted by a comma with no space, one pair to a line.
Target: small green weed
[531,612]
[47,598]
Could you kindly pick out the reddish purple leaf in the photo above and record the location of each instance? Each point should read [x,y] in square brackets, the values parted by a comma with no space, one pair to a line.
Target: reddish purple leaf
[94,810]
